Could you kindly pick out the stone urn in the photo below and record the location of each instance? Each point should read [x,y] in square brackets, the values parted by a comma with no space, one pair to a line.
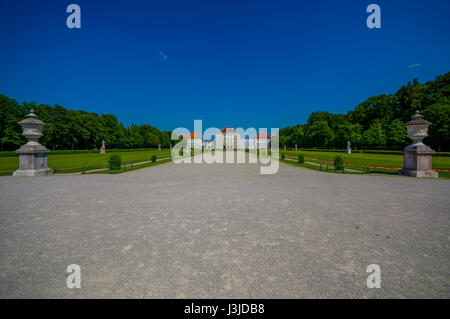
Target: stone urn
[417,156]
[32,155]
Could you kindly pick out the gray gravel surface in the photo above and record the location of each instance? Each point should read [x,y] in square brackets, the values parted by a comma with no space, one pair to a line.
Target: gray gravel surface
[224,231]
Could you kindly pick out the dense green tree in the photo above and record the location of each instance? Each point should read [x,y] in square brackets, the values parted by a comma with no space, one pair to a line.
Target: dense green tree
[10,133]
[396,134]
[319,134]
[439,132]
[347,132]
[375,135]
[290,136]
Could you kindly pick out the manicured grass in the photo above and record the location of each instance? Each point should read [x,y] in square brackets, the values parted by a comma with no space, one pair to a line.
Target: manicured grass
[315,167]
[129,168]
[70,163]
[359,161]
[368,159]
[364,151]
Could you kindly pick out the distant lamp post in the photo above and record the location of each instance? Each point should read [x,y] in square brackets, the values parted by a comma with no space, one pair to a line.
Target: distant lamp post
[418,156]
[32,155]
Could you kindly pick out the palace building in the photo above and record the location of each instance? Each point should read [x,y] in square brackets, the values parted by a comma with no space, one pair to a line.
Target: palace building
[192,140]
[228,137]
[262,140]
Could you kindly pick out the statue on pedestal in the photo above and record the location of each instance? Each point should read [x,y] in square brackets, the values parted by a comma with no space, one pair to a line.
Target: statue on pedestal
[418,156]
[103,148]
[349,149]
[32,155]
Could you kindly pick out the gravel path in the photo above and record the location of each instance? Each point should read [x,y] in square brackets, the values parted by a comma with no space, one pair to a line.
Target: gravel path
[201,231]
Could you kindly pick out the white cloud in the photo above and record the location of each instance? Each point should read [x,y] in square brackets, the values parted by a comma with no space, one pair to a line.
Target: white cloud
[415,65]
[162,56]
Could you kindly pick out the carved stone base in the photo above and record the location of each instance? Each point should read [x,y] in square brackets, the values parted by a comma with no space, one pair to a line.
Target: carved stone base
[415,173]
[417,161]
[33,172]
[32,160]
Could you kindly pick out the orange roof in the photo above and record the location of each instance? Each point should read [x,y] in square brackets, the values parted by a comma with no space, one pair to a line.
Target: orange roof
[228,129]
[262,135]
[192,135]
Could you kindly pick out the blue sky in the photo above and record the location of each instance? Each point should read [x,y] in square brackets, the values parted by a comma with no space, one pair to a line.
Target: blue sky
[231,63]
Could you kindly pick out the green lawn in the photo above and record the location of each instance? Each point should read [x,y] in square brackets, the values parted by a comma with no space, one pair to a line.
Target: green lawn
[358,161]
[369,159]
[69,163]
[130,168]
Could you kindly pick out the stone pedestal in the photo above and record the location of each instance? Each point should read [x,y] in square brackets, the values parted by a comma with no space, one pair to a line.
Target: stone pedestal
[417,161]
[32,161]
[32,155]
[417,157]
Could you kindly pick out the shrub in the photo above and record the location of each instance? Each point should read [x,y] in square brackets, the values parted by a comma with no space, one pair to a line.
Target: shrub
[283,156]
[181,152]
[154,158]
[301,159]
[115,161]
[338,163]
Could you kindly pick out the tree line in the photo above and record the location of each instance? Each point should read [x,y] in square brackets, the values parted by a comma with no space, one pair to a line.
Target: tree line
[69,129]
[378,122]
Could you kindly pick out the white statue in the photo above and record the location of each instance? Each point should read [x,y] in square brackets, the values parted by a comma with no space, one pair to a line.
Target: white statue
[103,148]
